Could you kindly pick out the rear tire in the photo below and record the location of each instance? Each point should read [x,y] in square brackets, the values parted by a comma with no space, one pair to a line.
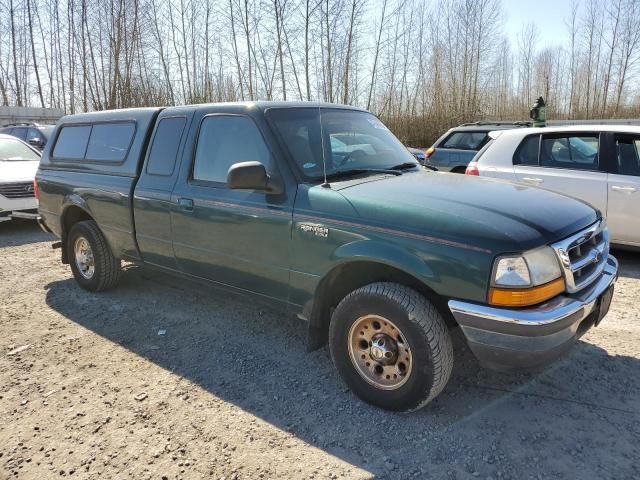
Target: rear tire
[391,346]
[93,264]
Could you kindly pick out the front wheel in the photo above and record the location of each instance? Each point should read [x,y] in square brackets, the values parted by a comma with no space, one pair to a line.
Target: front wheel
[391,346]
[94,266]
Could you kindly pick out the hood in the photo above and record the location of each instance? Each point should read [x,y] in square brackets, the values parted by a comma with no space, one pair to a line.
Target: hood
[18,171]
[490,214]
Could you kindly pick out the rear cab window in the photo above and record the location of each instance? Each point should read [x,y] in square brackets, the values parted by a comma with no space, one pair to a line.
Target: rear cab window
[164,150]
[72,142]
[98,142]
[109,142]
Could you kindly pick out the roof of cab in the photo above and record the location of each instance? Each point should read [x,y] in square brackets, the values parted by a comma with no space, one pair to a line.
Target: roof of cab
[135,113]
[105,115]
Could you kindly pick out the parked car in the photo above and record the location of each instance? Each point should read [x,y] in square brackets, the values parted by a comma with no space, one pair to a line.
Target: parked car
[453,151]
[34,134]
[379,256]
[18,166]
[420,155]
[599,164]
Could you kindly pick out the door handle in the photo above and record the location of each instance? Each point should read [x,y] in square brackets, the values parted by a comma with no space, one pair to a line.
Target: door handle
[533,180]
[185,204]
[627,190]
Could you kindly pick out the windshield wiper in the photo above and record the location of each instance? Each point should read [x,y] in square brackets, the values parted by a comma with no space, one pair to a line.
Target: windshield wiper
[360,171]
[403,166]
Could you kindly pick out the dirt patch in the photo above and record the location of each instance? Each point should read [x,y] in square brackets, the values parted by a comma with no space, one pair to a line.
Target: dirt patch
[167,378]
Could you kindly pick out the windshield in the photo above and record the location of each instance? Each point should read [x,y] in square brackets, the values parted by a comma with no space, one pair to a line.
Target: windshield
[347,140]
[14,150]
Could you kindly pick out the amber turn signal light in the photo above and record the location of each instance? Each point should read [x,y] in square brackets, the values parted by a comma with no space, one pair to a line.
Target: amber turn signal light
[429,151]
[524,297]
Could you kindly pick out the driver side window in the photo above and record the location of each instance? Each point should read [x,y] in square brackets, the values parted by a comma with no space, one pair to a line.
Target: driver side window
[224,140]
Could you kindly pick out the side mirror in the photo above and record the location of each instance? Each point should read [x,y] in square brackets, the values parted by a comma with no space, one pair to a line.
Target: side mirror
[36,142]
[251,176]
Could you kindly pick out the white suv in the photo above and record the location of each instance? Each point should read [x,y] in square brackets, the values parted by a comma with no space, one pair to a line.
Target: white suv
[18,165]
[599,164]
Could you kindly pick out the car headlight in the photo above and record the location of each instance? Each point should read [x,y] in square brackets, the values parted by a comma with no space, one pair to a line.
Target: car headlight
[526,279]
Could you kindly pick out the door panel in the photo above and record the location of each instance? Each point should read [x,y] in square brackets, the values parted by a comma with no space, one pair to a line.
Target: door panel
[152,197]
[624,192]
[590,187]
[622,212]
[233,237]
[568,164]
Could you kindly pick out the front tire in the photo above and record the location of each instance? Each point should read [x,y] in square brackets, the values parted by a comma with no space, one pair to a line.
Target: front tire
[94,266]
[391,346]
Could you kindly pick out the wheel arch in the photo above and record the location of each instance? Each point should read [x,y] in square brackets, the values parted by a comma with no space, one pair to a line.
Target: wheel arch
[73,212]
[353,274]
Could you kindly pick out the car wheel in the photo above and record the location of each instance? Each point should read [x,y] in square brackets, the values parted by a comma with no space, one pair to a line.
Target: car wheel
[391,346]
[93,264]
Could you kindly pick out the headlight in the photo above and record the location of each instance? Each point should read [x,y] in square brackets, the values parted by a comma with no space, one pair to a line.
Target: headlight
[527,279]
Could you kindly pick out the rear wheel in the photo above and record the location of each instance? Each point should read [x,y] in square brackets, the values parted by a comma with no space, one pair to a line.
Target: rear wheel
[391,346]
[94,266]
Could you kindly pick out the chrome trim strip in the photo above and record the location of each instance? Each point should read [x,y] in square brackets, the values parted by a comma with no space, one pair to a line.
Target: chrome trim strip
[554,310]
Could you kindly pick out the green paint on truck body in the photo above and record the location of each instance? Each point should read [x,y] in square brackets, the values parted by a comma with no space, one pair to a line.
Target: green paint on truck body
[443,231]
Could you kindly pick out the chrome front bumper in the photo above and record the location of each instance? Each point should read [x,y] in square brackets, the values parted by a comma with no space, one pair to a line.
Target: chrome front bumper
[504,338]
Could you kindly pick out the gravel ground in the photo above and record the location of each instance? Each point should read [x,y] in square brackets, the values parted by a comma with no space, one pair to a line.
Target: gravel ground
[163,378]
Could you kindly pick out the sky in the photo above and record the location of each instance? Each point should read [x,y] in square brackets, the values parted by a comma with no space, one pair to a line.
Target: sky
[548,15]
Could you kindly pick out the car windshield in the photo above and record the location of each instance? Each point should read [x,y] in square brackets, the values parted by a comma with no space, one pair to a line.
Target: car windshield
[343,140]
[15,151]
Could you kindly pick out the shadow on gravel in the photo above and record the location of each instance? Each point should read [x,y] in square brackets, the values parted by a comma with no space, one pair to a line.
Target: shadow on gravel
[22,232]
[484,424]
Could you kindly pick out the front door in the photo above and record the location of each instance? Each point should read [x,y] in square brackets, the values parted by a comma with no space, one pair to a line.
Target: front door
[232,237]
[567,163]
[624,191]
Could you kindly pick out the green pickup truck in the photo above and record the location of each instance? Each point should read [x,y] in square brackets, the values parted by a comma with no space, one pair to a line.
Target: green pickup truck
[320,209]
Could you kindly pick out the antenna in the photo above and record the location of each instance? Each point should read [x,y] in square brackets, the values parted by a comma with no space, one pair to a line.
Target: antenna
[325,184]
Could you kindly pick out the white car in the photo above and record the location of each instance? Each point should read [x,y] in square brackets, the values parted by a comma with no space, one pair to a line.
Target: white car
[18,165]
[599,164]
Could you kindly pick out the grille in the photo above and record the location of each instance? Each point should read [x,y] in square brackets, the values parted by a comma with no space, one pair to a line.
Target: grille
[584,256]
[17,190]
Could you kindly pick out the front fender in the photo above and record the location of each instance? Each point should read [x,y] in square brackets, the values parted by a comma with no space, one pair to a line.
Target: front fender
[387,254]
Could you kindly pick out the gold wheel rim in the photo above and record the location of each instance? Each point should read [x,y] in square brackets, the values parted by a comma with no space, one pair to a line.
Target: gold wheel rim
[380,352]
